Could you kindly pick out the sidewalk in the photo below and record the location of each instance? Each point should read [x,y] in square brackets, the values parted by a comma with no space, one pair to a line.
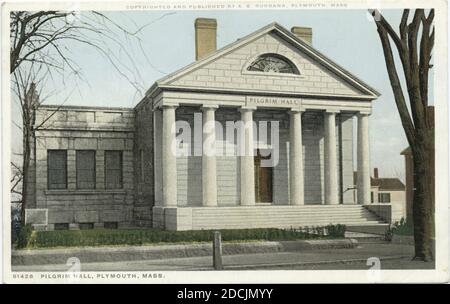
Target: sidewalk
[168,251]
[392,256]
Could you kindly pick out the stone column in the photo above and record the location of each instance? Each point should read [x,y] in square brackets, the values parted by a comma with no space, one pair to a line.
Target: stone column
[247,160]
[330,156]
[169,158]
[209,174]
[363,167]
[296,159]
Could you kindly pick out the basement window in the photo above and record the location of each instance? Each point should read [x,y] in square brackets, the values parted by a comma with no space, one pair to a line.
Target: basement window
[86,226]
[61,226]
[111,225]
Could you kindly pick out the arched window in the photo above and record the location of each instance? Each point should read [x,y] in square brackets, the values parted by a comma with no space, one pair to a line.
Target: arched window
[273,63]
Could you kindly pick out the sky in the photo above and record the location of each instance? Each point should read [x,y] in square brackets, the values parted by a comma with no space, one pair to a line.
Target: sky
[348,37]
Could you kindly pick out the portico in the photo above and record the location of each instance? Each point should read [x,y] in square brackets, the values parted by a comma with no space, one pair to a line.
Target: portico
[294,109]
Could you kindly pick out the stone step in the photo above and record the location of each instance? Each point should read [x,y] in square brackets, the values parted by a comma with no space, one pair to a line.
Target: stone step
[280,216]
[262,225]
[299,223]
[289,224]
[288,214]
[294,210]
[285,217]
[289,207]
[346,214]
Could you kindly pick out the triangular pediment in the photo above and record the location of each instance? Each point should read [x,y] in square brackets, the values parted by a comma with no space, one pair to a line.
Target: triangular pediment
[227,69]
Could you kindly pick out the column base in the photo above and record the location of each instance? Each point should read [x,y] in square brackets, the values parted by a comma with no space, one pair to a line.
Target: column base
[172,218]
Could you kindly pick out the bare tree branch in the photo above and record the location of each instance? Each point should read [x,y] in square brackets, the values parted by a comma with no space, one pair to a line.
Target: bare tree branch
[426,46]
[396,86]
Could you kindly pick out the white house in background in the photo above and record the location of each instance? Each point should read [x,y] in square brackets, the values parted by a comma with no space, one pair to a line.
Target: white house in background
[114,167]
[388,191]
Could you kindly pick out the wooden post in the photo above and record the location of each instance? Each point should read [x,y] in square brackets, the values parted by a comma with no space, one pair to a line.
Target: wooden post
[217,251]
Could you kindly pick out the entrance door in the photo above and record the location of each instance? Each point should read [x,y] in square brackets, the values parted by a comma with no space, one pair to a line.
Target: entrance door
[263,180]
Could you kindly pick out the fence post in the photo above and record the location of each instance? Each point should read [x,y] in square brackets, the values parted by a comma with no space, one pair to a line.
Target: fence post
[217,251]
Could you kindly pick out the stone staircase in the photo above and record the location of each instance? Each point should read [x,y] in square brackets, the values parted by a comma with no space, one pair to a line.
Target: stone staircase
[284,217]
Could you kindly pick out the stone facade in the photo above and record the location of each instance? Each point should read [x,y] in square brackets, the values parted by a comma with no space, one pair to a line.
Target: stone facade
[78,128]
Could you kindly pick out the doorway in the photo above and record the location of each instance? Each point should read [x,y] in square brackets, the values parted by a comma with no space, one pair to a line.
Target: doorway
[263,179]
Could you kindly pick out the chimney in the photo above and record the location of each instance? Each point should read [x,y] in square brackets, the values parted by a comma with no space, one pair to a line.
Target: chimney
[304,33]
[205,37]
[375,172]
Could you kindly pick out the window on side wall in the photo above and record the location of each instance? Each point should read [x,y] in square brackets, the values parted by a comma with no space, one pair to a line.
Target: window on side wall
[384,197]
[113,170]
[57,169]
[85,163]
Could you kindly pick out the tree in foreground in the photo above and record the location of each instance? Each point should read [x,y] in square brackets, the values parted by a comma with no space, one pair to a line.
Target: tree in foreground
[414,44]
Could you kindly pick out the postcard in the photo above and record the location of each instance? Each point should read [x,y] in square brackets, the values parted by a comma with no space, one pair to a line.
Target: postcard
[225,142]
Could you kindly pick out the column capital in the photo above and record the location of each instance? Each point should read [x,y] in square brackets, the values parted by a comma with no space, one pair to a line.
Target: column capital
[247,109]
[210,107]
[332,111]
[169,106]
[363,113]
[296,110]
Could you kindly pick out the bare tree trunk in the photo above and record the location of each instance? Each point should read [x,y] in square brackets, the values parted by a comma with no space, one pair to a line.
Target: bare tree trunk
[423,204]
[25,171]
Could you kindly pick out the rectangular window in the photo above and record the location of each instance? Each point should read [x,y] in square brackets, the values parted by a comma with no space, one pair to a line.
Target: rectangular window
[57,169]
[113,169]
[384,197]
[85,164]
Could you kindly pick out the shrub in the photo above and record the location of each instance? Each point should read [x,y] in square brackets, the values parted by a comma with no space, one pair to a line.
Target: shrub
[337,231]
[401,227]
[105,237]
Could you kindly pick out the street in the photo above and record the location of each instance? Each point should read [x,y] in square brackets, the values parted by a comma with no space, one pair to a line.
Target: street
[392,256]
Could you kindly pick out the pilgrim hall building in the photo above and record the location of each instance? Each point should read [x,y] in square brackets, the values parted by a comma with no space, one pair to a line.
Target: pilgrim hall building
[98,167]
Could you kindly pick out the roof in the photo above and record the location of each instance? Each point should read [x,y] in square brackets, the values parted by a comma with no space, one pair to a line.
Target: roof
[55,107]
[406,151]
[285,34]
[384,183]
[393,184]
